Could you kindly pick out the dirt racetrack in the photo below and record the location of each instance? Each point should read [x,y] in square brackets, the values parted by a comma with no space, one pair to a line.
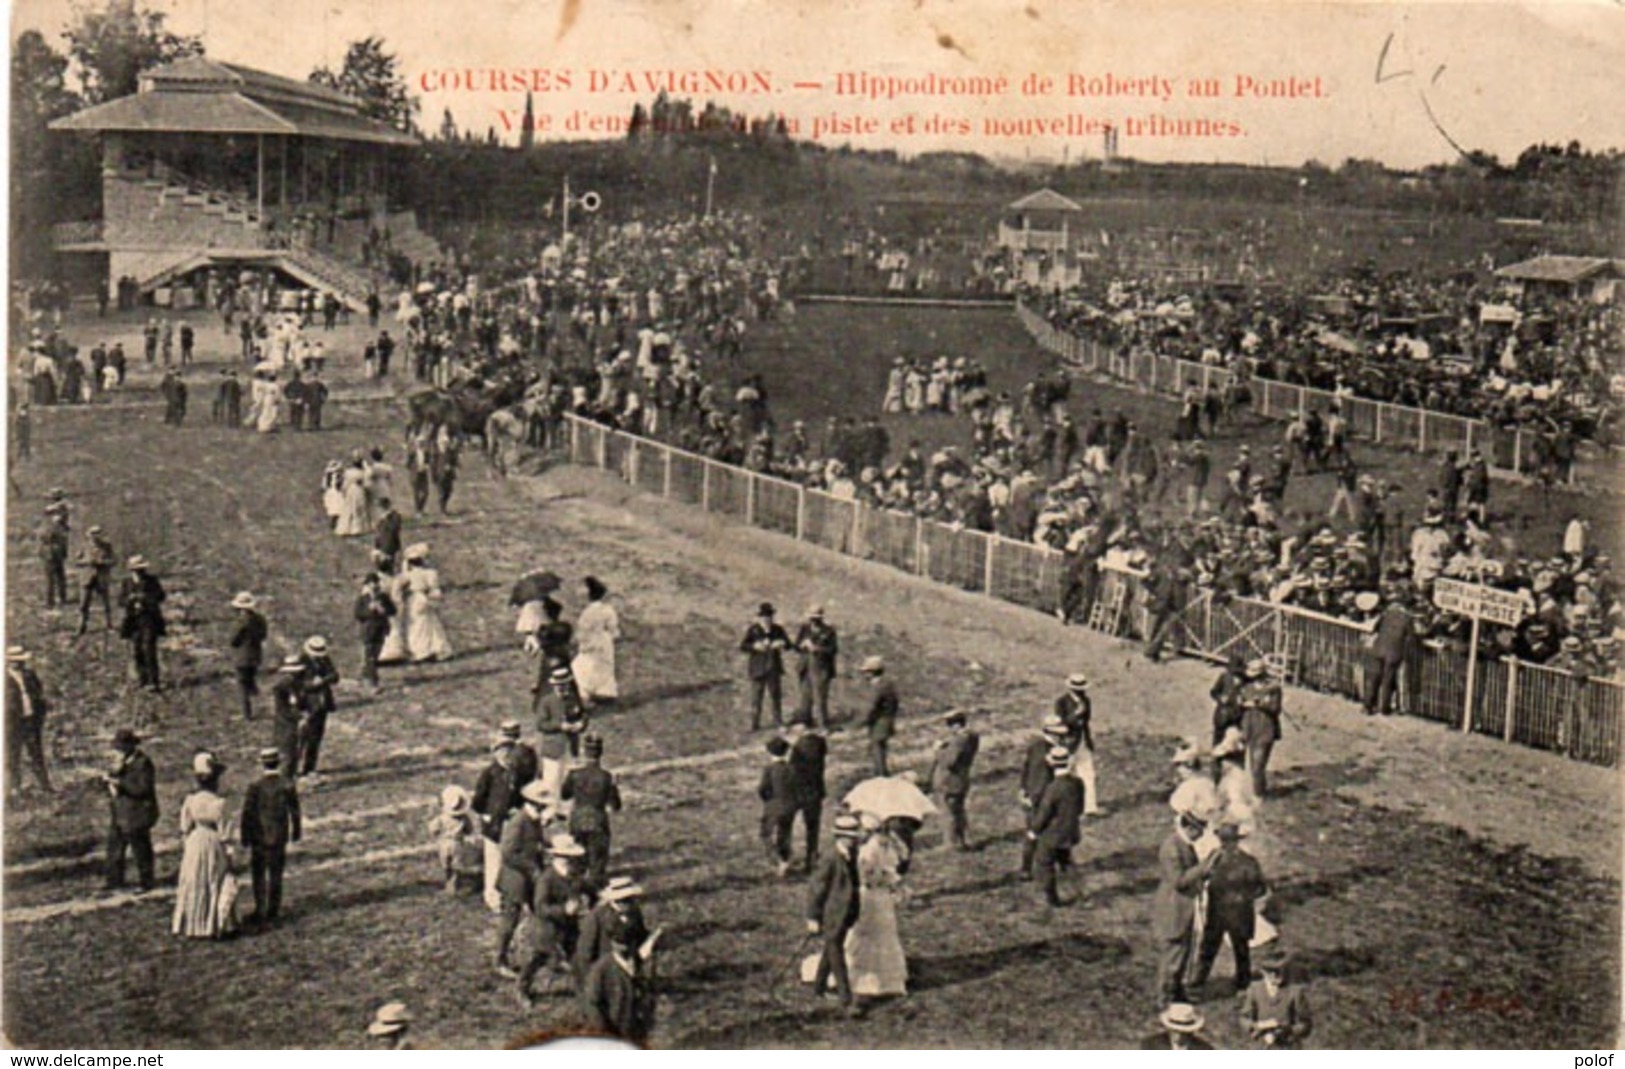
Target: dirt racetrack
[1439,890]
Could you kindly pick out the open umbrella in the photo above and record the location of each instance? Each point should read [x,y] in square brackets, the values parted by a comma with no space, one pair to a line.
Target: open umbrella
[534,586]
[889,796]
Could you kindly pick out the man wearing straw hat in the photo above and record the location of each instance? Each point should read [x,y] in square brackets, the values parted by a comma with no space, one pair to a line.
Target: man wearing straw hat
[142,598]
[26,707]
[1054,826]
[619,908]
[1173,911]
[521,862]
[833,898]
[820,650]
[54,540]
[1076,711]
[390,1026]
[496,796]
[270,821]
[321,676]
[1181,1022]
[1036,774]
[558,904]
[1235,883]
[248,648]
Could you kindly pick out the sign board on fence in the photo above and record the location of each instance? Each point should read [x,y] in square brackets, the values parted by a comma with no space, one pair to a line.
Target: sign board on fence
[1480,602]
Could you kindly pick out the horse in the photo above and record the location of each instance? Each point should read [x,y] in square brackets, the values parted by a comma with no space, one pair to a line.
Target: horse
[506,432]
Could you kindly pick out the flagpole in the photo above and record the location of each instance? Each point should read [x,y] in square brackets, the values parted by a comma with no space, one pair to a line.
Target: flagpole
[710,183]
[566,204]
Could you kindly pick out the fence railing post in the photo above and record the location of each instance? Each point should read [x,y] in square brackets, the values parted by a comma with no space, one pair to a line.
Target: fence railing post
[801,513]
[1511,715]
[575,441]
[987,565]
[665,478]
[750,500]
[705,487]
[632,458]
[1378,433]
[1517,451]
[1421,431]
[603,450]
[919,547]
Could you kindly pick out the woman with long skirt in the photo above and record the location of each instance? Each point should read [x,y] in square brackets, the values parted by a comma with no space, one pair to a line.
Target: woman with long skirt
[205,900]
[425,634]
[597,630]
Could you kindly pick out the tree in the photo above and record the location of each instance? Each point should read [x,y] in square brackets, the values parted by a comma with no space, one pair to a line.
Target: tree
[111,46]
[448,127]
[53,176]
[527,126]
[373,77]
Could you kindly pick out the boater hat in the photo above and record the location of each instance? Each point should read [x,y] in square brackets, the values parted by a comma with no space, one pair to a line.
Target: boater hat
[391,1017]
[244,600]
[848,826]
[619,889]
[1181,1017]
[1058,757]
[1077,681]
[316,646]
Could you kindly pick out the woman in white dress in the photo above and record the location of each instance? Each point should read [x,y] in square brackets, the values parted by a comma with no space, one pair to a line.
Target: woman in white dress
[395,649]
[355,516]
[425,635]
[874,949]
[333,493]
[270,416]
[205,900]
[597,631]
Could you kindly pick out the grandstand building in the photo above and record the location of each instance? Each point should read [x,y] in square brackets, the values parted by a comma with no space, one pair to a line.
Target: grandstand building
[212,167]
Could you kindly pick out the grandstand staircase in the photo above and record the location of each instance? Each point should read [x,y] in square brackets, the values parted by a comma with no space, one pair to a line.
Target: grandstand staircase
[207,226]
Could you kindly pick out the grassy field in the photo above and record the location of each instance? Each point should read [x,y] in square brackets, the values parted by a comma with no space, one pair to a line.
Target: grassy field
[1430,896]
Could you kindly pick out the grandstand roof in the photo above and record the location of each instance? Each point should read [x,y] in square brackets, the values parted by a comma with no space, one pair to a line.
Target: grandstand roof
[1045,200]
[1569,269]
[198,95]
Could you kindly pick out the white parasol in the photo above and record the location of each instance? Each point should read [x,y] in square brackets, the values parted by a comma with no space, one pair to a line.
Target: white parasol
[889,796]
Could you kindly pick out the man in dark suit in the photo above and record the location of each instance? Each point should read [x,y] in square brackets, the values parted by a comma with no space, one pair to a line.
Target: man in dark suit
[820,649]
[288,711]
[270,821]
[1076,711]
[1054,828]
[321,677]
[1235,883]
[1173,910]
[26,707]
[881,722]
[558,903]
[526,765]
[386,537]
[765,643]
[520,855]
[96,560]
[591,790]
[1260,701]
[619,907]
[617,993]
[142,597]
[495,798]
[1036,774]
[54,540]
[809,751]
[777,790]
[832,908]
[1390,647]
[373,608]
[950,773]
[248,648]
[132,784]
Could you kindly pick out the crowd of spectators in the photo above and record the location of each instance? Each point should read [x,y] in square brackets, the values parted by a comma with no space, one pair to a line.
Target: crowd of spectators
[1461,345]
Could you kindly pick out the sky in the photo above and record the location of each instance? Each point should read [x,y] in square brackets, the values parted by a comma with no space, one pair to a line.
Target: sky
[1404,83]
